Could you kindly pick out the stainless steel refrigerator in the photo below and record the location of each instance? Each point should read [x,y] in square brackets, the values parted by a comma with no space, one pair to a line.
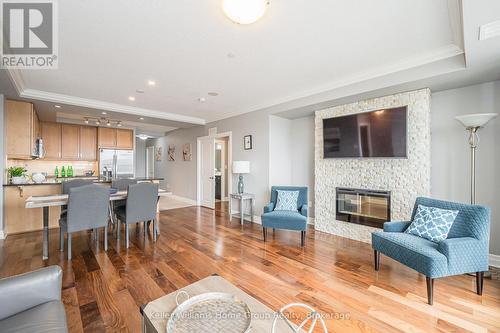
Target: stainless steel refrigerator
[119,162]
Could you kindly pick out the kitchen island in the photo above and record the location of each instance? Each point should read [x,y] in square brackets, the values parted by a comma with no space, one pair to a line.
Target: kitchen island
[19,219]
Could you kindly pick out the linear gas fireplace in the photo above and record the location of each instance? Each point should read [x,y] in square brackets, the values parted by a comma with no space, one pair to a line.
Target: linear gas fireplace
[367,207]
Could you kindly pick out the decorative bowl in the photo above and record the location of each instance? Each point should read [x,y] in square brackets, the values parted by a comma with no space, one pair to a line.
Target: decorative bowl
[38,177]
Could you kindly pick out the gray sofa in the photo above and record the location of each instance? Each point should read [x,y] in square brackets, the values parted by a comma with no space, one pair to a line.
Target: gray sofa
[31,302]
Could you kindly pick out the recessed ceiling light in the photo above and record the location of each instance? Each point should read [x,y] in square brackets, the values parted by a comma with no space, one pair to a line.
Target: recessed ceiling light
[119,124]
[151,83]
[143,136]
[202,99]
[131,98]
[231,55]
[86,120]
[141,118]
[98,122]
[244,12]
[213,94]
[139,91]
[57,106]
[103,112]
[108,123]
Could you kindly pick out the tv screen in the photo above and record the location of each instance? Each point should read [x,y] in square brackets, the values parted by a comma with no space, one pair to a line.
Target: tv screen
[380,133]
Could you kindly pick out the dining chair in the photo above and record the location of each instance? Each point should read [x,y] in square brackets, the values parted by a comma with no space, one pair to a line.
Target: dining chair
[121,185]
[142,199]
[87,209]
[67,185]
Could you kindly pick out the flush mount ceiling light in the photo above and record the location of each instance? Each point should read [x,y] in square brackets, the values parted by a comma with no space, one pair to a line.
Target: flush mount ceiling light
[131,98]
[57,106]
[143,136]
[151,83]
[244,11]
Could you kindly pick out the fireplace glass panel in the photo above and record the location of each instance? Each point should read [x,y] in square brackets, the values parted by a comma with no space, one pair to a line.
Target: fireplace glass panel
[363,206]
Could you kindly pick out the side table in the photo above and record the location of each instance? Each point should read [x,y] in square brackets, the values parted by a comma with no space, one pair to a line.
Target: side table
[241,198]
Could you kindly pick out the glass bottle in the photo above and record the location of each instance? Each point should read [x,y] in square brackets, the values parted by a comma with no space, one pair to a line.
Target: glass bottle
[63,172]
[56,172]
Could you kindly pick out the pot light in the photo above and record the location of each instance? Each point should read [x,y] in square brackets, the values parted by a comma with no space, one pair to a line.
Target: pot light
[141,118]
[104,112]
[57,106]
[108,123]
[119,124]
[143,136]
[98,122]
[86,120]
[202,99]
[131,98]
[151,83]
[244,11]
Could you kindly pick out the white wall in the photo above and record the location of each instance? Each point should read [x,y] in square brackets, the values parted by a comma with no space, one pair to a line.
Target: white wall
[2,154]
[140,158]
[450,152]
[280,151]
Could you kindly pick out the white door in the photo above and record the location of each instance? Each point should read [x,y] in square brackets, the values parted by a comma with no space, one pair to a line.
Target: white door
[207,172]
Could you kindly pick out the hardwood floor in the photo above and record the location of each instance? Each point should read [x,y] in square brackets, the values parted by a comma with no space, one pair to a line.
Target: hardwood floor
[102,291]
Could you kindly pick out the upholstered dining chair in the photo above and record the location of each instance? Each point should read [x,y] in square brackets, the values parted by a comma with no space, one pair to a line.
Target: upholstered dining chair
[87,209]
[295,219]
[68,185]
[141,206]
[465,250]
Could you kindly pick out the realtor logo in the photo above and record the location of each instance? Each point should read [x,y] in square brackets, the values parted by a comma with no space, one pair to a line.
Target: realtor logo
[29,34]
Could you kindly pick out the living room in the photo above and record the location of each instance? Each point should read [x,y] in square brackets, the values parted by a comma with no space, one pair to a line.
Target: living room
[281,176]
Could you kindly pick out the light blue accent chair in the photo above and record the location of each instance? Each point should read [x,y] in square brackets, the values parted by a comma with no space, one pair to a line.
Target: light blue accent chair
[464,251]
[284,219]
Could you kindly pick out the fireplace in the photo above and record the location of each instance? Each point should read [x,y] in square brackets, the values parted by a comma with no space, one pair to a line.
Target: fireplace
[360,206]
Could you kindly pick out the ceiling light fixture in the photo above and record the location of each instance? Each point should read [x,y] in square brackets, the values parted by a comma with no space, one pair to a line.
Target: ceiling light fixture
[119,124]
[104,112]
[86,120]
[244,11]
[141,118]
[57,106]
[202,99]
[151,83]
[143,136]
[108,123]
[98,122]
[131,98]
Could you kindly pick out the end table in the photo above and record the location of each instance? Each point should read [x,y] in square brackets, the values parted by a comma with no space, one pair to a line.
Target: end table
[241,198]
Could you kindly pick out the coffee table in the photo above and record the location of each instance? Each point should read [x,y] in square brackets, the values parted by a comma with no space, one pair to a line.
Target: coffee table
[155,314]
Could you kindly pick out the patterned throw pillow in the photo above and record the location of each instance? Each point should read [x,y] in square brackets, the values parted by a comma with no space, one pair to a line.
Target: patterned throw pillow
[287,200]
[432,223]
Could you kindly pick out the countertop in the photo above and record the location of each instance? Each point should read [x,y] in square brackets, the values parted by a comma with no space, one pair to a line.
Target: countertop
[58,181]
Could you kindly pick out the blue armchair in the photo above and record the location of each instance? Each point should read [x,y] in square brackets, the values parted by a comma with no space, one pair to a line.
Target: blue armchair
[464,251]
[289,220]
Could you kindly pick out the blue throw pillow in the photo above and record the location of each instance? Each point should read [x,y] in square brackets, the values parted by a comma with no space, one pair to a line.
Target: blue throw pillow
[432,223]
[287,200]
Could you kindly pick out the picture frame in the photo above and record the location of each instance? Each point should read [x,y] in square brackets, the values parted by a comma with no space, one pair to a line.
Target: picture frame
[247,142]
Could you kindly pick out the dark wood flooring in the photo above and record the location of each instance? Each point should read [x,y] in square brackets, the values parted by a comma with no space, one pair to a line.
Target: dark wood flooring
[102,291]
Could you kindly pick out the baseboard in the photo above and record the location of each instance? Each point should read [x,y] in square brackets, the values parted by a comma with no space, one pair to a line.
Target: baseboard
[257,219]
[183,199]
[494,260]
[2,234]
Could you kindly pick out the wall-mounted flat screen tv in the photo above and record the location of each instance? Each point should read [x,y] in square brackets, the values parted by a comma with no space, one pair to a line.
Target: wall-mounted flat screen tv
[380,133]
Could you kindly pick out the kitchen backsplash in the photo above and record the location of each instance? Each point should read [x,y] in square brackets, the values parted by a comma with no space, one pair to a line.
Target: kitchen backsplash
[79,167]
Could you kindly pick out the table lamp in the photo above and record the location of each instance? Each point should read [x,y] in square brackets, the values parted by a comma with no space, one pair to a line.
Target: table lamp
[241,167]
[472,123]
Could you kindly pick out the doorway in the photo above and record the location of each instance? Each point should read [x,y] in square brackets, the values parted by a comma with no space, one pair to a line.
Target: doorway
[150,162]
[214,181]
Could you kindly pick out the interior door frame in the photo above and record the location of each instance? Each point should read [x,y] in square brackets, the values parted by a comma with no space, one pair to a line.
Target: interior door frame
[229,135]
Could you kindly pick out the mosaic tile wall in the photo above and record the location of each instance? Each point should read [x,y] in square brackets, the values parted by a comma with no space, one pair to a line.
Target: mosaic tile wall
[405,178]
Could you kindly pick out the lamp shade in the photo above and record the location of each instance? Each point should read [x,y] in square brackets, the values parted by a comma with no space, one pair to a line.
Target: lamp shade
[241,167]
[475,119]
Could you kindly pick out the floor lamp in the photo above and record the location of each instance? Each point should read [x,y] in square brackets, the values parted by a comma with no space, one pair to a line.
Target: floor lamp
[472,123]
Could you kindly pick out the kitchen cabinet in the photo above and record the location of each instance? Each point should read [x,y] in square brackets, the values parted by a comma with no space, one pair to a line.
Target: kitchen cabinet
[70,142]
[22,129]
[107,137]
[88,143]
[51,135]
[20,219]
[124,139]
[116,138]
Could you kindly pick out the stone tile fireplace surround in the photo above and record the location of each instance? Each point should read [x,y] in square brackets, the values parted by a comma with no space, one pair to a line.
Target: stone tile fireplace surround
[406,178]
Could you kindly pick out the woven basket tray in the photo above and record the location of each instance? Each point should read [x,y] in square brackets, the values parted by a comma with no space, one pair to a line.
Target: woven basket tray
[210,312]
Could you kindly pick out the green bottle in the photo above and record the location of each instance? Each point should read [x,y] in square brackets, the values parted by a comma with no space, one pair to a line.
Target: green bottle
[63,172]
[56,172]
[71,171]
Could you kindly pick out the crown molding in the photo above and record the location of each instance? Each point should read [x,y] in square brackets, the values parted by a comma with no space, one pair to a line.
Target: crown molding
[443,53]
[16,79]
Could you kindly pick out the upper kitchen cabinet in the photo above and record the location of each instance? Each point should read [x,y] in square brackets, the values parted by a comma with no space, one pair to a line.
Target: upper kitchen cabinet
[70,142]
[22,127]
[116,138]
[51,135]
[124,139]
[88,143]
[107,137]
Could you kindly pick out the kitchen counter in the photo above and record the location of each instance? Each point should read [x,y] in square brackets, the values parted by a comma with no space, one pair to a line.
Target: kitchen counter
[57,181]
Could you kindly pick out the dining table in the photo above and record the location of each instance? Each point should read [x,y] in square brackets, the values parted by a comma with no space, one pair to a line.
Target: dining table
[47,201]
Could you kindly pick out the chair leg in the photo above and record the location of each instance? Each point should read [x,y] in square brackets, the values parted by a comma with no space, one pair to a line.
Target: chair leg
[61,240]
[302,238]
[146,230]
[105,238]
[118,227]
[264,232]
[96,231]
[376,256]
[155,230]
[430,289]
[126,235]
[479,282]
[69,246]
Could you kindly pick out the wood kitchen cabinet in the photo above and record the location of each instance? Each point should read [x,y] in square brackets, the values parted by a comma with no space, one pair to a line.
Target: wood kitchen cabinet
[70,142]
[116,138]
[22,129]
[124,138]
[88,143]
[107,137]
[18,218]
[51,135]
